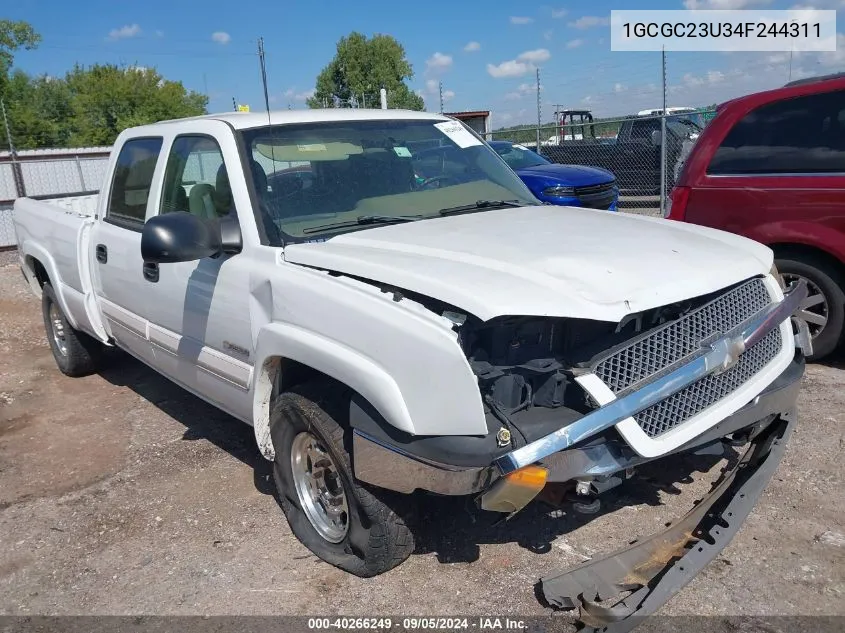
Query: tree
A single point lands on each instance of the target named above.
(13, 36)
(91, 106)
(107, 99)
(360, 68)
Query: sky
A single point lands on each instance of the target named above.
(486, 54)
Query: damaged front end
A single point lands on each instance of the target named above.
(586, 402)
(653, 569)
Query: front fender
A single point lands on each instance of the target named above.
(280, 340)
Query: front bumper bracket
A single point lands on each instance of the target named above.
(659, 566)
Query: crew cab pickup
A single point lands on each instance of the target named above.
(392, 319)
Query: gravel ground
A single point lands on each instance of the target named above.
(122, 494)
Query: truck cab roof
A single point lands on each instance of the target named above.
(248, 120)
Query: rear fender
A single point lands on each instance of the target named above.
(33, 252)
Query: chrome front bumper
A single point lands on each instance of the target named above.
(389, 466)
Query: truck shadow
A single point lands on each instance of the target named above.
(452, 528)
(202, 421)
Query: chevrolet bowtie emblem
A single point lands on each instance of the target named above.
(732, 349)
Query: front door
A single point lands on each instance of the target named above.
(199, 326)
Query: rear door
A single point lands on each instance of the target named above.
(118, 269)
(779, 170)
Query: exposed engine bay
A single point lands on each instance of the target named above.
(524, 363)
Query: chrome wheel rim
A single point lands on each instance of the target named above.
(319, 487)
(57, 329)
(814, 309)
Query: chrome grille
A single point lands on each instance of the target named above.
(681, 406)
(679, 339)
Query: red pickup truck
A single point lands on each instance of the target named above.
(771, 167)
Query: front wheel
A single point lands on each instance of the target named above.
(341, 521)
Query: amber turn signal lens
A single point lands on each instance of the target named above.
(529, 476)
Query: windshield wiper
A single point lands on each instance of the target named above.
(363, 219)
(481, 204)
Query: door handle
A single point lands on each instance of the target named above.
(151, 272)
(102, 253)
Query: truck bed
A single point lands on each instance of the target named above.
(53, 233)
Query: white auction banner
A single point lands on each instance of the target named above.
(723, 30)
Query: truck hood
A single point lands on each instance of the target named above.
(543, 261)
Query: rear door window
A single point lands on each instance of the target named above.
(803, 135)
(133, 177)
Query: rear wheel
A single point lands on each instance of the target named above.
(347, 524)
(76, 353)
(824, 307)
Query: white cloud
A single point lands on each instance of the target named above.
(589, 21)
(619, 87)
(221, 37)
(537, 56)
(510, 68)
(547, 35)
(520, 20)
(448, 95)
(559, 13)
(432, 86)
(472, 47)
(524, 90)
(523, 64)
(125, 32)
(574, 43)
(159, 33)
(291, 94)
(723, 4)
(438, 62)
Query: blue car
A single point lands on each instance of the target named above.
(567, 185)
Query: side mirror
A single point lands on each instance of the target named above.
(656, 138)
(182, 237)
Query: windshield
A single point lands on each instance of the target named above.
(518, 156)
(691, 119)
(318, 179)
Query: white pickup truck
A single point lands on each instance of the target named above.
(384, 301)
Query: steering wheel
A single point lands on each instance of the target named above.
(437, 179)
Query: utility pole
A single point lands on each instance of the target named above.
(539, 113)
(663, 137)
(234, 104)
(20, 190)
(261, 61)
(441, 97)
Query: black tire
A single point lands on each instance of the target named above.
(830, 282)
(377, 538)
(79, 354)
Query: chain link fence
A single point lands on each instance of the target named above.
(644, 156)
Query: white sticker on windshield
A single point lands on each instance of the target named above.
(402, 152)
(312, 147)
(458, 133)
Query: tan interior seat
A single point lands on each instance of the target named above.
(201, 201)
